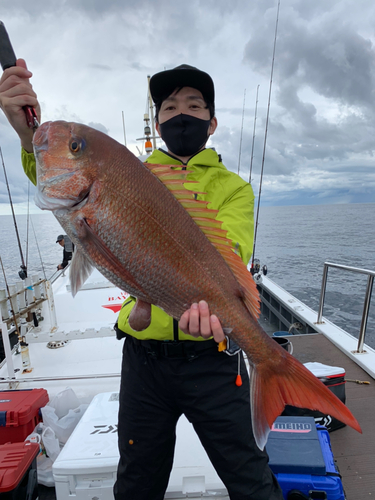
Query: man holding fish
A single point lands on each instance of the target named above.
(171, 368)
(176, 233)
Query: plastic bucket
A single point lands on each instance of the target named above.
(281, 334)
(283, 342)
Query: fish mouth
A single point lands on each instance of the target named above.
(44, 202)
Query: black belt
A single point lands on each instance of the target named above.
(173, 348)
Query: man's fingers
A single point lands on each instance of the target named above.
(194, 323)
(21, 63)
(16, 71)
(198, 322)
(204, 313)
(217, 330)
(184, 322)
(14, 85)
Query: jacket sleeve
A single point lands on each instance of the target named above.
(29, 165)
(237, 216)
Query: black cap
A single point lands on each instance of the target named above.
(165, 82)
(60, 238)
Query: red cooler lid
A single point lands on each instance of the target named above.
(18, 407)
(15, 459)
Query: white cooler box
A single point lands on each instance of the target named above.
(87, 465)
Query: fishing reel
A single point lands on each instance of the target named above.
(255, 266)
(23, 273)
(257, 271)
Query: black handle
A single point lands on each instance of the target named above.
(7, 55)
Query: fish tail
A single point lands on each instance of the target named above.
(273, 386)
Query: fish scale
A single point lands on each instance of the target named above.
(126, 221)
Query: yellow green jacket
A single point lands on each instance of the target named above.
(29, 165)
(226, 192)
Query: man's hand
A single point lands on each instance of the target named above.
(15, 92)
(198, 322)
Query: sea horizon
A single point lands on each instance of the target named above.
(292, 242)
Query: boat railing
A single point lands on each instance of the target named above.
(24, 297)
(366, 306)
(17, 305)
(56, 275)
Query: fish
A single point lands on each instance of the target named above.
(142, 228)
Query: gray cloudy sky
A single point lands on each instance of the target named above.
(90, 60)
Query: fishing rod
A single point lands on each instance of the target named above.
(252, 146)
(23, 273)
(27, 225)
(10, 300)
(243, 113)
(151, 108)
(40, 255)
(123, 126)
(265, 136)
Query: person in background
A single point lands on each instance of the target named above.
(64, 241)
(188, 367)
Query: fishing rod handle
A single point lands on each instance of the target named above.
(7, 55)
(7, 60)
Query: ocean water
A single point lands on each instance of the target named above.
(294, 242)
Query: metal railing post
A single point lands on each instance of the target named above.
(366, 307)
(322, 294)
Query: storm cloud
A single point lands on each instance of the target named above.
(90, 61)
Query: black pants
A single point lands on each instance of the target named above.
(155, 392)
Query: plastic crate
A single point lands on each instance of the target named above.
(19, 413)
(18, 473)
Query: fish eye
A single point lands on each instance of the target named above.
(75, 146)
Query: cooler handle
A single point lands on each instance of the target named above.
(317, 495)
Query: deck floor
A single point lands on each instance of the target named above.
(354, 453)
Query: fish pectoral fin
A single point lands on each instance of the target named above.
(273, 386)
(140, 316)
(94, 245)
(80, 270)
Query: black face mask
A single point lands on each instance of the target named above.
(184, 135)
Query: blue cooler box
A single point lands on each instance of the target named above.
(302, 461)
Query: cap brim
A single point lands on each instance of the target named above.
(164, 83)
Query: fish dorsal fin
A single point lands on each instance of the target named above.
(205, 217)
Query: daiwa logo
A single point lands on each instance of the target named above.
(104, 429)
(291, 427)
